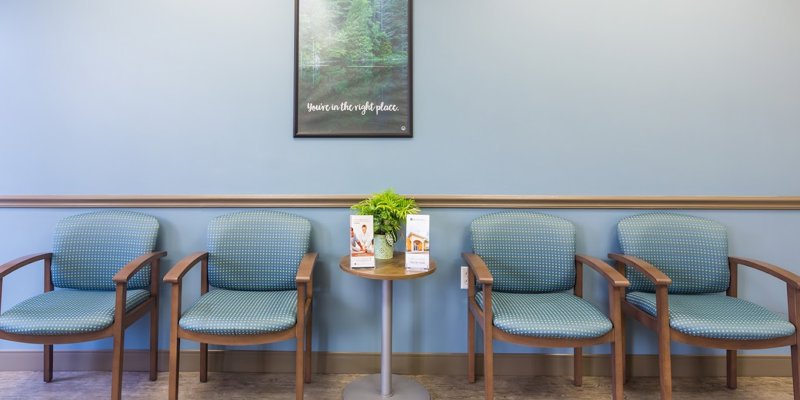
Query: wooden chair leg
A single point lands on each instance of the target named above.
(665, 364)
(470, 347)
(730, 358)
(175, 341)
(203, 362)
(174, 365)
(307, 351)
(627, 370)
(48, 363)
(796, 372)
(577, 366)
(116, 363)
(154, 342)
(298, 368)
(488, 363)
(615, 296)
(617, 368)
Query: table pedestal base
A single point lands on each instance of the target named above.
(369, 388)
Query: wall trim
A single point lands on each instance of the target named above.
(403, 363)
(425, 200)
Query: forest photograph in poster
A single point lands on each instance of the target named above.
(353, 68)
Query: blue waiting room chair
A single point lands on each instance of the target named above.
(255, 288)
(101, 276)
(530, 292)
(684, 287)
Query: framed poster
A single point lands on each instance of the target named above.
(353, 69)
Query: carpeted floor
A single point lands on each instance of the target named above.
(230, 386)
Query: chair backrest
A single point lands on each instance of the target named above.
(692, 251)
(526, 252)
(256, 250)
(88, 249)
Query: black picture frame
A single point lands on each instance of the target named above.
(337, 118)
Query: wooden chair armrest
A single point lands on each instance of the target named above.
(126, 273)
(175, 275)
(479, 268)
(612, 276)
(648, 270)
(790, 278)
(306, 268)
(18, 263)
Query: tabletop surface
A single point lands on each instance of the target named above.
(394, 269)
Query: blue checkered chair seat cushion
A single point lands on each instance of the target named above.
(237, 312)
(717, 316)
(65, 312)
(546, 315)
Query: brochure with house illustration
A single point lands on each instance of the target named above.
(418, 228)
(362, 245)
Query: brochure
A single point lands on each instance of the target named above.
(362, 245)
(418, 229)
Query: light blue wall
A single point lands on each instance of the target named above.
(511, 97)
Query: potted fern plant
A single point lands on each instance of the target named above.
(389, 211)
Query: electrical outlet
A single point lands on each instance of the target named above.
(464, 277)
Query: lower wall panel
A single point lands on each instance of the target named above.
(404, 363)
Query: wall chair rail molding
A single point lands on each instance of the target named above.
(428, 201)
(425, 201)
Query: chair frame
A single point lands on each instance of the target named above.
(484, 319)
(122, 318)
(302, 332)
(660, 323)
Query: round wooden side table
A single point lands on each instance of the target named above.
(386, 385)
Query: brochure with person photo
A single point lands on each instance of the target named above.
(418, 229)
(362, 245)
